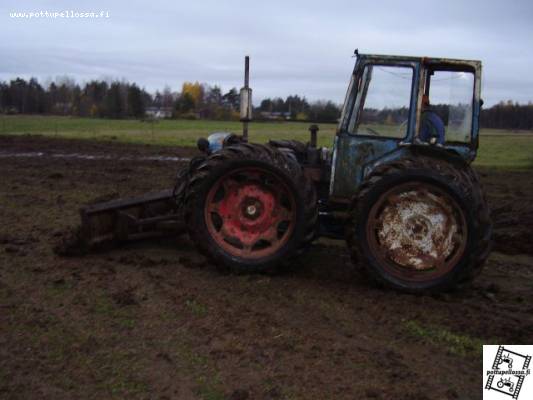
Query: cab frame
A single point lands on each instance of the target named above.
(356, 155)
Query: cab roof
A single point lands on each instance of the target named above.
(450, 62)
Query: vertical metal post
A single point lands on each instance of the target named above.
(246, 85)
(313, 129)
(246, 71)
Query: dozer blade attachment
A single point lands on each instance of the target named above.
(122, 220)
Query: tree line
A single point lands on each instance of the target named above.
(121, 99)
(65, 97)
(508, 115)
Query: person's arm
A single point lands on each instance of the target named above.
(431, 127)
(425, 128)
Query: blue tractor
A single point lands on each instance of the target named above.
(397, 184)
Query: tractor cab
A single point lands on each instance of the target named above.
(394, 103)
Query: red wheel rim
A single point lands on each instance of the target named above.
(250, 212)
(417, 231)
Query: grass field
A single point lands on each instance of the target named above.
(498, 148)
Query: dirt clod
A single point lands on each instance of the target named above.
(56, 175)
(239, 394)
(71, 244)
(11, 249)
(493, 288)
(372, 393)
(125, 297)
(452, 394)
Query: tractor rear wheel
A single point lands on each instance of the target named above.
(249, 207)
(420, 224)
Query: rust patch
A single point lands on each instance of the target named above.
(417, 227)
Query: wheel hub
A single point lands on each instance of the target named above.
(251, 210)
(250, 213)
(417, 227)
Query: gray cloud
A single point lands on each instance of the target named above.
(299, 47)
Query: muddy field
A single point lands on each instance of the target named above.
(156, 321)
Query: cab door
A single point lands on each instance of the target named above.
(379, 113)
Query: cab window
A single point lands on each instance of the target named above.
(449, 99)
(382, 106)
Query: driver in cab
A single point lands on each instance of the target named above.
(431, 125)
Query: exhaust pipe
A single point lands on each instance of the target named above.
(246, 100)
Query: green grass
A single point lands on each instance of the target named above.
(498, 148)
(455, 343)
(196, 308)
(506, 151)
(162, 132)
(203, 369)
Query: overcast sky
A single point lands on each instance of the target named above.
(296, 47)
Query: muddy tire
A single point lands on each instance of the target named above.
(183, 177)
(298, 148)
(421, 224)
(250, 208)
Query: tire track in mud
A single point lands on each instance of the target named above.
(95, 157)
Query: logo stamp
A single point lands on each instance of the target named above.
(509, 370)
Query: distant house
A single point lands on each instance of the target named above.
(275, 115)
(158, 112)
